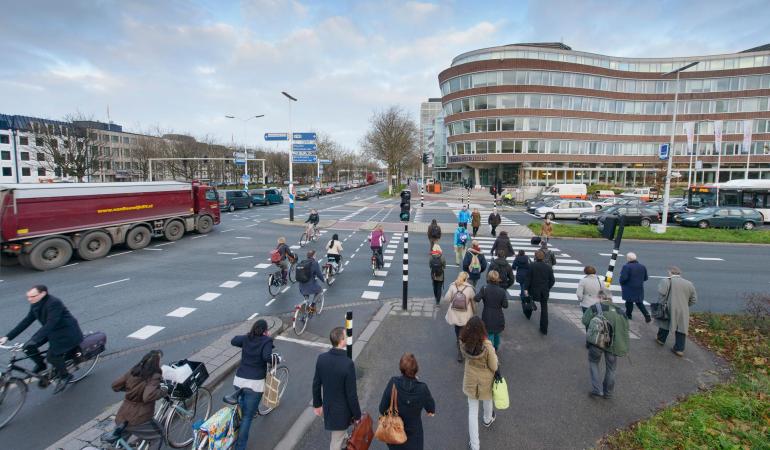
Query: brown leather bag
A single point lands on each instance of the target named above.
(391, 427)
(361, 436)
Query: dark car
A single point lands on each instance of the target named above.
(303, 194)
(593, 217)
(232, 200)
(675, 207)
(722, 217)
(547, 201)
(634, 215)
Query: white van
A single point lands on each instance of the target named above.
(645, 194)
(579, 191)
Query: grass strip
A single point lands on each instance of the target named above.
(671, 234)
(396, 192)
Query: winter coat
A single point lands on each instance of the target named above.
(541, 277)
(495, 299)
(458, 232)
(335, 249)
(682, 296)
(479, 374)
(494, 219)
(460, 318)
(377, 239)
(138, 405)
(412, 397)
(334, 388)
(588, 290)
(632, 278)
(467, 262)
(546, 230)
(504, 269)
(312, 287)
(502, 242)
(476, 219)
(619, 323)
(440, 276)
(313, 218)
(463, 216)
(284, 251)
(434, 232)
(59, 326)
(550, 257)
(255, 355)
(521, 265)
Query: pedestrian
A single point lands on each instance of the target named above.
(502, 242)
(460, 240)
(256, 353)
(679, 294)
(475, 221)
(495, 299)
(463, 217)
(458, 316)
(412, 397)
(590, 288)
(549, 256)
(434, 233)
(437, 265)
(503, 269)
(618, 347)
(335, 395)
(632, 278)
(494, 220)
(546, 230)
(541, 280)
(474, 263)
(478, 377)
(142, 387)
(521, 264)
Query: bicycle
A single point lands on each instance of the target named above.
(186, 404)
(305, 311)
(376, 253)
(119, 439)
(330, 270)
(13, 388)
(275, 279)
(311, 233)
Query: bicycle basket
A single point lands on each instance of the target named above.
(187, 388)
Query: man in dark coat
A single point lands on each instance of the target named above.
(60, 330)
(632, 278)
(494, 220)
(335, 395)
(502, 242)
(434, 232)
(541, 280)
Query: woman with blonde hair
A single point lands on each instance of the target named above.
(461, 298)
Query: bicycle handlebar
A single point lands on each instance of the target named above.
(13, 347)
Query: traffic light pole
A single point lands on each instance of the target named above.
(405, 262)
(615, 251)
(422, 182)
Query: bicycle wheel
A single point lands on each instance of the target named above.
(82, 369)
(293, 271)
(185, 413)
(303, 240)
(274, 283)
(282, 373)
(13, 393)
(319, 304)
(329, 274)
(300, 319)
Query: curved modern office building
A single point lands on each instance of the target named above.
(544, 113)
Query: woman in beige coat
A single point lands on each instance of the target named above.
(479, 375)
(459, 317)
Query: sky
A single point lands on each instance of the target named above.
(182, 66)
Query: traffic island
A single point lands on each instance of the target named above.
(673, 234)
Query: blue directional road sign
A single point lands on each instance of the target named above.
(663, 152)
(304, 147)
(276, 136)
(305, 159)
(245, 177)
(303, 136)
(303, 153)
(326, 161)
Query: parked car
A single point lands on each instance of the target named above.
(329, 189)
(634, 215)
(303, 194)
(606, 203)
(675, 207)
(235, 199)
(565, 209)
(722, 217)
(548, 201)
(593, 216)
(604, 193)
(265, 197)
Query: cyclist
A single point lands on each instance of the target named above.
(60, 330)
(376, 241)
(308, 271)
(256, 353)
(142, 387)
(284, 252)
(313, 220)
(334, 249)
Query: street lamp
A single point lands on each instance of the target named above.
(245, 149)
(291, 159)
(667, 191)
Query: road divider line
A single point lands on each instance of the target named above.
(230, 284)
(153, 249)
(198, 237)
(227, 231)
(145, 332)
(270, 302)
(302, 342)
(243, 257)
(161, 245)
(226, 253)
(208, 296)
(285, 289)
(69, 265)
(180, 312)
(112, 282)
(121, 253)
(247, 274)
(704, 258)
(253, 316)
(242, 237)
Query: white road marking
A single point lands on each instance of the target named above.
(565, 285)
(247, 274)
(302, 342)
(376, 283)
(270, 302)
(230, 284)
(657, 276)
(112, 282)
(702, 258)
(285, 289)
(389, 252)
(242, 237)
(70, 265)
(227, 231)
(161, 245)
(610, 254)
(262, 266)
(294, 247)
(346, 263)
(208, 296)
(252, 225)
(380, 273)
(226, 253)
(198, 237)
(145, 332)
(118, 254)
(386, 265)
(371, 295)
(253, 316)
(153, 249)
(388, 257)
(243, 257)
(180, 312)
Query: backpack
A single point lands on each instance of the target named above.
(304, 270)
(462, 238)
(501, 270)
(459, 301)
(475, 265)
(550, 258)
(599, 331)
(275, 256)
(436, 269)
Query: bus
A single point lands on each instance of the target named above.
(747, 193)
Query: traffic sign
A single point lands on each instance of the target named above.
(245, 177)
(663, 152)
(303, 153)
(305, 159)
(240, 161)
(276, 136)
(303, 136)
(306, 147)
(326, 161)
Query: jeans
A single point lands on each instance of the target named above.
(495, 339)
(337, 438)
(608, 385)
(438, 288)
(475, 230)
(493, 229)
(473, 419)
(249, 402)
(680, 339)
(640, 305)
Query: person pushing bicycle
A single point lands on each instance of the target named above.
(308, 271)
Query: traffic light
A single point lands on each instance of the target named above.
(425, 158)
(609, 224)
(406, 206)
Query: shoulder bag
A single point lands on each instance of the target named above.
(391, 427)
(659, 310)
(361, 436)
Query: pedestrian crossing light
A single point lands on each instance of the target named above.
(406, 206)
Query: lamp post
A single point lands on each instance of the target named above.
(245, 149)
(291, 159)
(667, 191)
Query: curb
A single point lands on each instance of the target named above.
(662, 241)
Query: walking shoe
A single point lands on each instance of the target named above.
(489, 424)
(61, 385)
(593, 394)
(661, 343)
(677, 353)
(647, 319)
(607, 396)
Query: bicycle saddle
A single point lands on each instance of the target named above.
(232, 399)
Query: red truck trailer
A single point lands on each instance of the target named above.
(44, 224)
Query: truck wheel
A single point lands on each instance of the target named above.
(50, 254)
(24, 260)
(94, 245)
(138, 238)
(205, 224)
(231, 208)
(174, 231)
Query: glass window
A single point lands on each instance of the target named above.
(7, 172)
(481, 146)
(479, 79)
(24, 156)
(506, 147)
(39, 142)
(507, 124)
(5, 139)
(480, 102)
(454, 84)
(25, 171)
(40, 172)
(509, 77)
(5, 155)
(23, 140)
(492, 125)
(480, 125)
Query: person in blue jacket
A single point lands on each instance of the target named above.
(632, 278)
(463, 217)
(460, 242)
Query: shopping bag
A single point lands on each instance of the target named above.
(271, 398)
(500, 392)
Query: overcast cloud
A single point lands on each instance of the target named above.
(183, 65)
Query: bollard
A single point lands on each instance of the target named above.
(405, 262)
(421, 196)
(615, 250)
(349, 333)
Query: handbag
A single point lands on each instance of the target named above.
(659, 311)
(390, 429)
(500, 392)
(271, 397)
(361, 435)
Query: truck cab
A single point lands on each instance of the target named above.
(206, 201)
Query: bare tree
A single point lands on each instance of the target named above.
(68, 147)
(393, 139)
